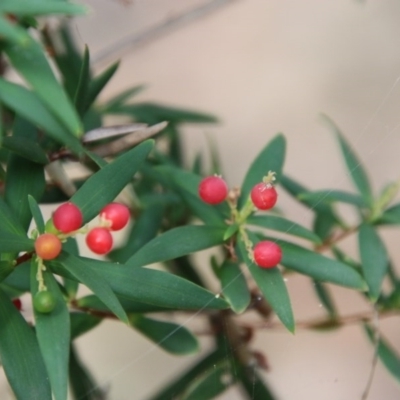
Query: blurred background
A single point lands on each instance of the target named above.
(262, 67)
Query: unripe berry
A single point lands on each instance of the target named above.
(48, 246)
(67, 218)
(213, 190)
(44, 302)
(263, 196)
(99, 240)
(267, 254)
(117, 214)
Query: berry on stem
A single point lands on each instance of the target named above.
(264, 196)
(99, 240)
(267, 254)
(117, 214)
(48, 246)
(213, 190)
(44, 302)
(67, 218)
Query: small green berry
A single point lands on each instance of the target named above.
(44, 302)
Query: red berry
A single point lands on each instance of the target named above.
(213, 190)
(99, 240)
(48, 246)
(18, 304)
(263, 196)
(118, 214)
(67, 218)
(267, 254)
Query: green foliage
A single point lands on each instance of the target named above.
(42, 122)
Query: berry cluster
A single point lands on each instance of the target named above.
(214, 190)
(67, 221)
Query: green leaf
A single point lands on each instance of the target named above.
(97, 84)
(36, 214)
(234, 286)
(325, 298)
(25, 8)
(211, 383)
(82, 323)
(30, 106)
(20, 354)
(324, 224)
(83, 385)
(9, 222)
(145, 228)
(253, 385)
(29, 60)
(104, 186)
(19, 279)
(374, 259)
(152, 113)
(319, 267)
(272, 286)
(71, 286)
(79, 268)
(92, 302)
(271, 158)
(177, 242)
(391, 215)
(53, 334)
(332, 196)
(10, 243)
(353, 164)
(24, 178)
(175, 339)
(10, 32)
(151, 286)
(81, 94)
(283, 225)
(230, 231)
(386, 353)
(6, 267)
(121, 98)
(25, 148)
(178, 385)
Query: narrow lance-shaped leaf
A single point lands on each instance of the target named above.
(177, 386)
(121, 98)
(23, 178)
(24, 8)
(32, 64)
(331, 196)
(20, 355)
(81, 94)
(319, 267)
(374, 258)
(211, 383)
(171, 337)
(36, 214)
(30, 106)
(151, 286)
(78, 268)
(234, 286)
(271, 158)
(102, 187)
(97, 84)
(386, 353)
(271, 284)
(283, 225)
(53, 333)
(353, 164)
(25, 148)
(253, 385)
(325, 298)
(177, 242)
